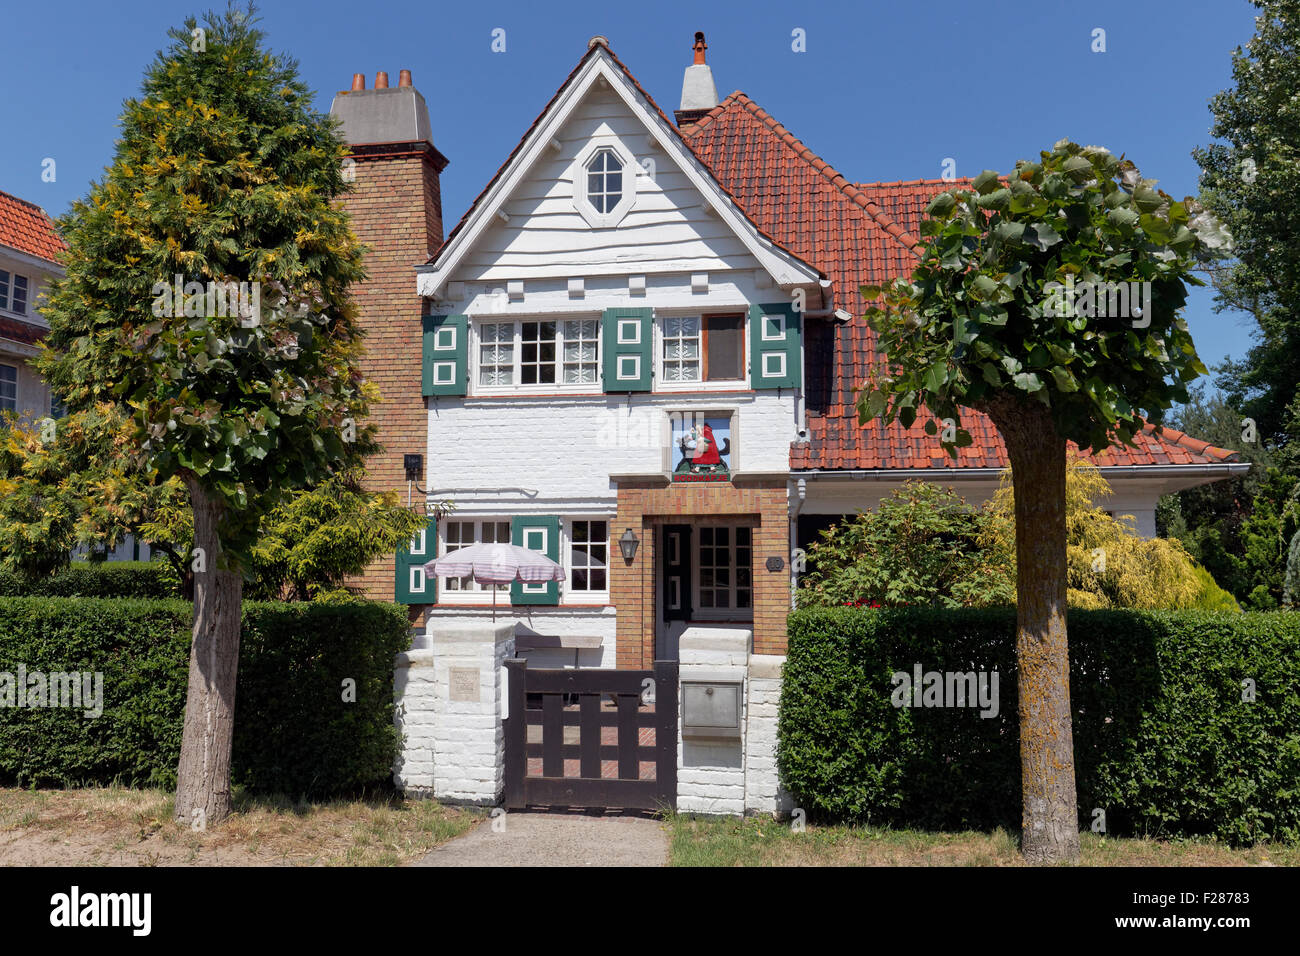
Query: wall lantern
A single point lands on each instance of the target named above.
(628, 545)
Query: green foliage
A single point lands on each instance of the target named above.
(1164, 743)
(1291, 589)
(1211, 597)
(110, 579)
(295, 733)
(924, 547)
(84, 487)
(1248, 180)
(920, 547)
(1109, 565)
(76, 482)
(224, 172)
(982, 315)
(313, 540)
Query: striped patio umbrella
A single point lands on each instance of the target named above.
(496, 564)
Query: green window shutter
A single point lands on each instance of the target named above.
(411, 585)
(775, 346)
(625, 343)
(537, 533)
(446, 355)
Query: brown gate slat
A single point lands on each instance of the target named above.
(552, 736)
(516, 734)
(589, 730)
(629, 767)
(666, 731)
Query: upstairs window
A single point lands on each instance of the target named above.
(557, 352)
(13, 292)
(708, 348)
(604, 181)
(605, 177)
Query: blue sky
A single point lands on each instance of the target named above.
(884, 90)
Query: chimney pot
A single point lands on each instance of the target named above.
(404, 78)
(358, 81)
(700, 46)
(381, 80)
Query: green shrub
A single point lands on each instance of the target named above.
(1164, 743)
(1211, 597)
(107, 579)
(294, 732)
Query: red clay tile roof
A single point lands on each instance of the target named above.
(860, 233)
(25, 226)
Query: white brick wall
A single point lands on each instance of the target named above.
(572, 446)
(763, 793)
(711, 773)
(454, 749)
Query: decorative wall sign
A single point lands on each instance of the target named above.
(463, 684)
(776, 563)
(702, 446)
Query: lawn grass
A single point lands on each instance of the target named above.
(118, 826)
(762, 841)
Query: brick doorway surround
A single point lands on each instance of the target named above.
(646, 503)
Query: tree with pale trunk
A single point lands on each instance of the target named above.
(207, 298)
(1049, 300)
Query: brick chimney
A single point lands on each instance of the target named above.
(396, 210)
(699, 95)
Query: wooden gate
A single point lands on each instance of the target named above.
(591, 738)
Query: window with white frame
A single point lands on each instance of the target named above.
(496, 354)
(604, 180)
(709, 348)
(724, 585)
(588, 556)
(461, 534)
(8, 388)
(553, 352)
(13, 292)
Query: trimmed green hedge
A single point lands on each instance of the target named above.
(100, 579)
(294, 732)
(1164, 743)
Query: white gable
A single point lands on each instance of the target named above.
(534, 225)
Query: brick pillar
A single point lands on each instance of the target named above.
(396, 210)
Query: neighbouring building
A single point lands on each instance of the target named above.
(29, 247)
(29, 250)
(637, 353)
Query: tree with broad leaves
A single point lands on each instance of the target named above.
(1012, 312)
(1249, 180)
(224, 175)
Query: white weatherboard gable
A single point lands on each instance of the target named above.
(673, 190)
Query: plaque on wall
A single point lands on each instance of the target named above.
(464, 684)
